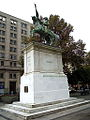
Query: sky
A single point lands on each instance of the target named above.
(75, 12)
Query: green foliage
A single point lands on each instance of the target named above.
(72, 52)
(81, 75)
(59, 26)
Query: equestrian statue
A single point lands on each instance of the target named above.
(47, 36)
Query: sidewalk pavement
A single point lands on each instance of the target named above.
(79, 114)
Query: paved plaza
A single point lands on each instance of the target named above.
(79, 115)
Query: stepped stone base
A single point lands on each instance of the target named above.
(43, 80)
(28, 111)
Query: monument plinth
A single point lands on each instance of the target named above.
(43, 80)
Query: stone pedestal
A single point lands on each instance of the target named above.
(43, 80)
(44, 91)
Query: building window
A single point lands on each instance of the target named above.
(13, 35)
(14, 22)
(12, 49)
(10, 64)
(23, 25)
(13, 57)
(2, 18)
(2, 32)
(23, 38)
(13, 64)
(2, 47)
(24, 32)
(2, 39)
(13, 28)
(1, 75)
(2, 63)
(2, 25)
(13, 42)
(2, 84)
(2, 55)
(12, 76)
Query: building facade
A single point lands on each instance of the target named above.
(12, 31)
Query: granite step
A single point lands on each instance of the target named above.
(34, 113)
(43, 104)
(43, 108)
(23, 108)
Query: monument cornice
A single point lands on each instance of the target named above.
(37, 45)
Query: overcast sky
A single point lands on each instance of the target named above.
(75, 12)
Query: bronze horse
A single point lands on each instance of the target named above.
(46, 35)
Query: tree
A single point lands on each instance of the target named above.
(72, 52)
(81, 75)
(87, 58)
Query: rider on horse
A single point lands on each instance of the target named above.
(41, 28)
